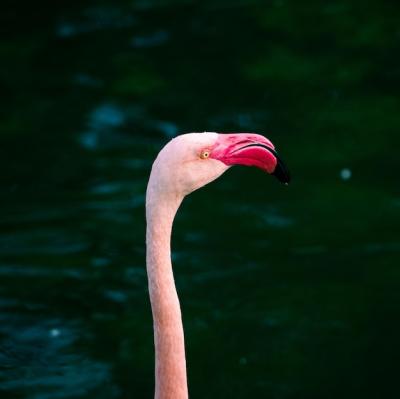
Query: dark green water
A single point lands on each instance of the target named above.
(287, 292)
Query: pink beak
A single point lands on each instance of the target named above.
(250, 149)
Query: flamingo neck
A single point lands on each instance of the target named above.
(170, 363)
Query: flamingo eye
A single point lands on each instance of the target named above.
(205, 154)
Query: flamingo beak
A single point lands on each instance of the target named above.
(281, 171)
(250, 149)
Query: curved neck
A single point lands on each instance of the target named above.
(170, 364)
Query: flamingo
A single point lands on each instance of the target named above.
(185, 164)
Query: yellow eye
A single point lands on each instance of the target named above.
(205, 154)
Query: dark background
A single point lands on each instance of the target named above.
(286, 292)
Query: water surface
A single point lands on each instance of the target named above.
(287, 292)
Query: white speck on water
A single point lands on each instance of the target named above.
(54, 333)
(345, 174)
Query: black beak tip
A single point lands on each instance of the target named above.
(282, 173)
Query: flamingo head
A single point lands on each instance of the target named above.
(192, 160)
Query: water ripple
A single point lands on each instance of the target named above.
(37, 360)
